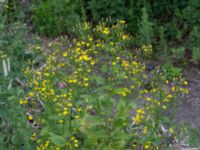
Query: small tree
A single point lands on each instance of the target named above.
(146, 29)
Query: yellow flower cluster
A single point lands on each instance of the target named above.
(139, 117)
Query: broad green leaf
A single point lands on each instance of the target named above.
(92, 126)
(57, 139)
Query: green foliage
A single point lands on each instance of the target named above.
(13, 44)
(194, 40)
(146, 29)
(178, 53)
(193, 137)
(189, 134)
(196, 55)
(92, 88)
(163, 24)
(171, 71)
(51, 18)
(13, 10)
(15, 133)
(107, 8)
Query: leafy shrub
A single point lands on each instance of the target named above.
(12, 10)
(95, 94)
(50, 17)
(107, 8)
(196, 55)
(14, 130)
(15, 133)
(178, 53)
(171, 71)
(164, 24)
(193, 45)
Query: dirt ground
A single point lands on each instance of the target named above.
(189, 109)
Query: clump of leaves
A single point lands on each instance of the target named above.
(171, 71)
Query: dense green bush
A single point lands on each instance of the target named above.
(164, 24)
(105, 8)
(12, 10)
(51, 17)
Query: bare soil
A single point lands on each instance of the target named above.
(189, 108)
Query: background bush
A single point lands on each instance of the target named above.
(51, 17)
(165, 24)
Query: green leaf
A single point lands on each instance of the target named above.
(99, 80)
(133, 105)
(57, 139)
(92, 126)
(105, 87)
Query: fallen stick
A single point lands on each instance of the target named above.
(19, 82)
(40, 101)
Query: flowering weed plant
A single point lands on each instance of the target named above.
(94, 93)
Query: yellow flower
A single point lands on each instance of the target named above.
(173, 89)
(147, 145)
(185, 83)
(30, 117)
(90, 39)
(57, 148)
(61, 121)
(47, 74)
(113, 63)
(39, 73)
(65, 54)
(118, 58)
(171, 130)
(72, 138)
(122, 21)
(145, 130)
(148, 98)
(186, 91)
(77, 117)
(132, 86)
(139, 116)
(69, 104)
(31, 94)
(46, 144)
(166, 81)
(75, 141)
(106, 31)
(65, 113)
(124, 37)
(86, 84)
(85, 79)
(33, 137)
(21, 101)
(36, 83)
(79, 109)
(76, 145)
(92, 63)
